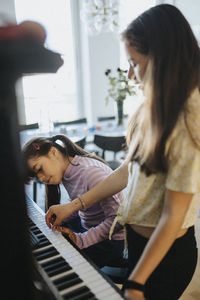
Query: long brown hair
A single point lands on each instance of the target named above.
(40, 146)
(163, 34)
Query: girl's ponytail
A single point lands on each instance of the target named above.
(52, 195)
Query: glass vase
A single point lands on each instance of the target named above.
(120, 112)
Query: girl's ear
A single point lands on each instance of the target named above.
(53, 151)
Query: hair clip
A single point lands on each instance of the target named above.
(59, 142)
(36, 146)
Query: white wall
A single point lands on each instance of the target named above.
(189, 8)
(103, 53)
(7, 10)
(98, 54)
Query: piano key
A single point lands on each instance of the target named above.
(36, 230)
(43, 243)
(54, 262)
(57, 266)
(76, 293)
(34, 241)
(42, 248)
(67, 282)
(58, 270)
(46, 260)
(82, 280)
(45, 253)
(72, 288)
(85, 296)
(60, 275)
(41, 236)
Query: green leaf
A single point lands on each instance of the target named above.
(119, 86)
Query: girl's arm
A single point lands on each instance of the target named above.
(175, 208)
(113, 184)
(100, 232)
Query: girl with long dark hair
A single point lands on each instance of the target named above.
(55, 160)
(162, 168)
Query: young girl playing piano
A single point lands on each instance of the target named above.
(56, 160)
(163, 164)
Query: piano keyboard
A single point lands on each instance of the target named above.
(67, 273)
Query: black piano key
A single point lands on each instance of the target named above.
(43, 243)
(54, 265)
(35, 230)
(67, 281)
(57, 266)
(42, 238)
(85, 296)
(34, 241)
(30, 222)
(52, 261)
(58, 270)
(45, 253)
(76, 293)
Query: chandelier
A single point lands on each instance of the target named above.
(100, 16)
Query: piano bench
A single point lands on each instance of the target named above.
(117, 270)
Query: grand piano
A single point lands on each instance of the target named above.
(36, 263)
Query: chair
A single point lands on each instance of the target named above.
(109, 118)
(81, 143)
(110, 143)
(35, 182)
(78, 121)
(100, 119)
(117, 270)
(23, 127)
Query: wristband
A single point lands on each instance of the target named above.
(82, 202)
(130, 284)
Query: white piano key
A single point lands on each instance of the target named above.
(62, 274)
(105, 293)
(48, 259)
(72, 288)
(42, 248)
(92, 279)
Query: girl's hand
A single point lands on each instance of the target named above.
(68, 233)
(134, 295)
(57, 213)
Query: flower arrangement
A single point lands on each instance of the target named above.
(120, 86)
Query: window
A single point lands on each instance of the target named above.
(51, 96)
(128, 12)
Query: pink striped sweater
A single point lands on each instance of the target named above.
(81, 175)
